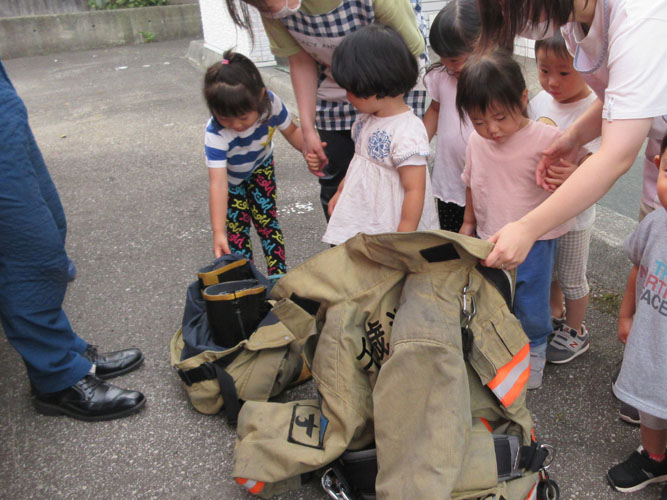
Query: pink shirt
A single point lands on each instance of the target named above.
(502, 178)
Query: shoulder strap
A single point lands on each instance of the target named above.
(501, 280)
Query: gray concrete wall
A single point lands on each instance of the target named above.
(39, 35)
(13, 8)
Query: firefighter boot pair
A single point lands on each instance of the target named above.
(235, 302)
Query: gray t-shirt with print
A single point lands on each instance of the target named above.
(643, 376)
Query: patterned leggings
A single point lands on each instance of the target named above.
(255, 199)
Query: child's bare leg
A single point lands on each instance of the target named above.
(654, 440)
(575, 312)
(556, 300)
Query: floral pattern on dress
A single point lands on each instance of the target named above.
(378, 144)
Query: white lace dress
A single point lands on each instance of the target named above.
(372, 196)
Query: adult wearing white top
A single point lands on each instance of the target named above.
(620, 47)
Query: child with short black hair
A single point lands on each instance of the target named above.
(501, 160)
(565, 97)
(387, 187)
(642, 326)
(239, 154)
(453, 34)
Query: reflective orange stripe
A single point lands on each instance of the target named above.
(250, 485)
(486, 424)
(511, 378)
(533, 493)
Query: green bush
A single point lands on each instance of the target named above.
(124, 4)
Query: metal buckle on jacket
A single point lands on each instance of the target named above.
(467, 315)
(551, 453)
(334, 484)
(466, 318)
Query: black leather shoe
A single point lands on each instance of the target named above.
(112, 364)
(90, 399)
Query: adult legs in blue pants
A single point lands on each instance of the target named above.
(33, 281)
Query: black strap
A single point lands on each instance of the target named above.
(467, 338)
(309, 305)
(206, 371)
(357, 469)
(500, 280)
(532, 457)
(504, 461)
(230, 398)
(440, 253)
(216, 370)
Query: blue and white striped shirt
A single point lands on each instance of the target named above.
(242, 152)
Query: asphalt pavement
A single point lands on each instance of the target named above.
(122, 132)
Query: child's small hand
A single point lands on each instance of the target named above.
(541, 174)
(558, 173)
(624, 326)
(220, 245)
(315, 163)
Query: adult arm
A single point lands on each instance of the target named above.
(303, 72)
(621, 141)
(400, 15)
(218, 196)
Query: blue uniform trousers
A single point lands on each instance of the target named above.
(33, 260)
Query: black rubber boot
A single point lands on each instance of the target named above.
(239, 270)
(234, 309)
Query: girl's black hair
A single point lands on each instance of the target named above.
(554, 44)
(238, 11)
(490, 80)
(663, 146)
(502, 21)
(233, 87)
(374, 61)
(455, 29)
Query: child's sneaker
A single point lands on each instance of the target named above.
(567, 345)
(537, 362)
(629, 414)
(556, 323)
(637, 472)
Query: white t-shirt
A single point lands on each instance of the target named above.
(655, 135)
(371, 201)
(452, 138)
(544, 108)
(623, 55)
